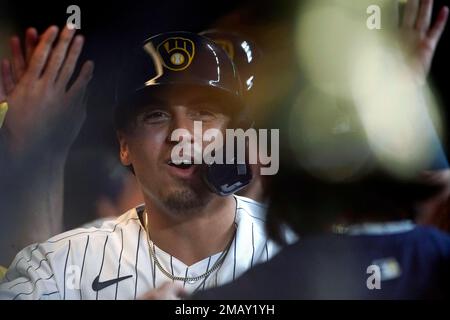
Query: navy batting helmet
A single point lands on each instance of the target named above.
(175, 59)
(244, 53)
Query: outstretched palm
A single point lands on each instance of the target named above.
(41, 106)
(420, 36)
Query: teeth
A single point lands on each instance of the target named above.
(178, 162)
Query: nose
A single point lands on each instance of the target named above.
(181, 127)
(187, 134)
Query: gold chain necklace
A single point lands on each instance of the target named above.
(216, 265)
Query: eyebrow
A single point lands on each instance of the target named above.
(153, 103)
(214, 104)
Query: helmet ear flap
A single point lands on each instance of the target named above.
(228, 178)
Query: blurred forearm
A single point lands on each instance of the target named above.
(31, 202)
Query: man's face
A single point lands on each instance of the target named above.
(147, 146)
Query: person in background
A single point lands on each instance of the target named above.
(358, 238)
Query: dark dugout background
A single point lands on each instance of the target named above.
(112, 27)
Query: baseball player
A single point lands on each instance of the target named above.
(183, 233)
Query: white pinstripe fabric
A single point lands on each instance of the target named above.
(66, 265)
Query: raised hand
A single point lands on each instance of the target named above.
(42, 108)
(420, 36)
(167, 291)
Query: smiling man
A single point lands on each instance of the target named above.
(184, 233)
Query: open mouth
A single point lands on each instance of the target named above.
(183, 164)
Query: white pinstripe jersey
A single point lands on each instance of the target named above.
(67, 265)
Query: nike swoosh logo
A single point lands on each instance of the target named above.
(97, 285)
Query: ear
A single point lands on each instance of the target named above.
(125, 158)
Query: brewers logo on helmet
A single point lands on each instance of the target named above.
(176, 53)
(176, 59)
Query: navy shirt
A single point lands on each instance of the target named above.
(414, 264)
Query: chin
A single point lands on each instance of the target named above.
(185, 200)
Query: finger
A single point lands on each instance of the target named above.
(424, 18)
(18, 60)
(31, 40)
(172, 291)
(59, 54)
(177, 293)
(163, 292)
(83, 79)
(181, 293)
(71, 61)
(439, 26)
(40, 55)
(8, 81)
(410, 15)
